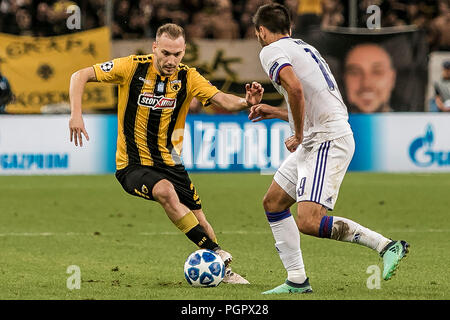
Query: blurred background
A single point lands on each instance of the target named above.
(391, 59)
(414, 34)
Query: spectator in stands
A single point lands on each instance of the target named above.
(442, 89)
(369, 78)
(199, 26)
(292, 6)
(170, 11)
(121, 17)
(58, 16)
(147, 10)
(415, 15)
(42, 25)
(309, 16)
(139, 24)
(214, 21)
(221, 19)
(10, 18)
(332, 13)
(23, 21)
(94, 14)
(224, 26)
(439, 34)
(6, 94)
(393, 13)
(247, 27)
(392, 19)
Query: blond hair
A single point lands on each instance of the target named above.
(173, 31)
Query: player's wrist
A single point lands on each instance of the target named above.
(246, 104)
(298, 136)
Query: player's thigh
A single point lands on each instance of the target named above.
(285, 178)
(184, 187)
(277, 199)
(321, 170)
(339, 158)
(139, 180)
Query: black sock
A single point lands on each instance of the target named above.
(198, 235)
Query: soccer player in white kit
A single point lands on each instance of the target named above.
(322, 147)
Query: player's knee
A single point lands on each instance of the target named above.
(270, 204)
(308, 219)
(273, 203)
(164, 192)
(305, 224)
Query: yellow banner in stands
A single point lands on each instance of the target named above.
(39, 69)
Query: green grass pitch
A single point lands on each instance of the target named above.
(126, 247)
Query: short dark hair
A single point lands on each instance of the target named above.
(274, 17)
(172, 30)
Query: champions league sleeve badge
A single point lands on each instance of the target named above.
(107, 66)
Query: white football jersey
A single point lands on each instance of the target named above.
(326, 116)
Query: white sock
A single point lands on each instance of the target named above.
(297, 276)
(349, 231)
(287, 243)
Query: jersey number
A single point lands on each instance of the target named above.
(323, 67)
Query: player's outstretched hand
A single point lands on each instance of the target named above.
(76, 126)
(293, 142)
(253, 93)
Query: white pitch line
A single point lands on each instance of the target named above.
(177, 233)
(27, 234)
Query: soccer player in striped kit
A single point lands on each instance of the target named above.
(155, 91)
(322, 147)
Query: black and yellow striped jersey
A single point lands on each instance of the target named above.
(152, 109)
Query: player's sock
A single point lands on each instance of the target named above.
(287, 243)
(190, 226)
(343, 229)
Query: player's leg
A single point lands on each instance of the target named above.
(188, 196)
(317, 192)
(183, 217)
(200, 215)
(230, 276)
(152, 184)
(279, 198)
(313, 220)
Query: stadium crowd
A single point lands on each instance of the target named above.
(217, 19)
(227, 19)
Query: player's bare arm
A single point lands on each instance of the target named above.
(263, 111)
(294, 89)
(253, 95)
(77, 83)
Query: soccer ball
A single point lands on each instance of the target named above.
(204, 268)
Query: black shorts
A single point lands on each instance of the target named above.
(139, 181)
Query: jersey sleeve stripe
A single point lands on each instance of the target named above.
(277, 75)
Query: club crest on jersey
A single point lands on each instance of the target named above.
(107, 66)
(175, 85)
(156, 102)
